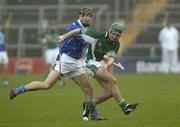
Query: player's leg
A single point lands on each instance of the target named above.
(51, 79)
(4, 62)
(174, 61)
(105, 94)
(88, 106)
(85, 86)
(84, 83)
(98, 99)
(5, 75)
(36, 85)
(165, 61)
(49, 61)
(91, 71)
(72, 68)
(107, 77)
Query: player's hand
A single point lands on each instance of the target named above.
(60, 38)
(106, 67)
(105, 58)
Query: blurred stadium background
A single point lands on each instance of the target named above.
(158, 94)
(24, 20)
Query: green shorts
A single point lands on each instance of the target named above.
(91, 70)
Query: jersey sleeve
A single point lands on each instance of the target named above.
(91, 32)
(73, 26)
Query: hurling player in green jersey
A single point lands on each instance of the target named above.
(101, 54)
(50, 46)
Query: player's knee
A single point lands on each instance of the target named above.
(88, 89)
(113, 81)
(108, 93)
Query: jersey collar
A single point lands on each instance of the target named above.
(80, 23)
(106, 35)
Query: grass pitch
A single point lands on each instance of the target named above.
(158, 97)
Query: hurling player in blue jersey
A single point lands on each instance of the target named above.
(67, 64)
(3, 58)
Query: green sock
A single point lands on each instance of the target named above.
(90, 105)
(123, 104)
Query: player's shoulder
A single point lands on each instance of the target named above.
(74, 25)
(163, 30)
(174, 28)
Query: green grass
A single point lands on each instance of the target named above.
(158, 95)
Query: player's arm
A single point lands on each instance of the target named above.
(108, 62)
(69, 34)
(89, 35)
(110, 57)
(61, 38)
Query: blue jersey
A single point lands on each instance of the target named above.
(73, 46)
(2, 46)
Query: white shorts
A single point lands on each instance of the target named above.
(50, 55)
(68, 66)
(4, 57)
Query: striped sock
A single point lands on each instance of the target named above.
(91, 106)
(123, 104)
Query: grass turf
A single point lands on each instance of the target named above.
(158, 95)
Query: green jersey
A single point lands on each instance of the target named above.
(51, 39)
(100, 45)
